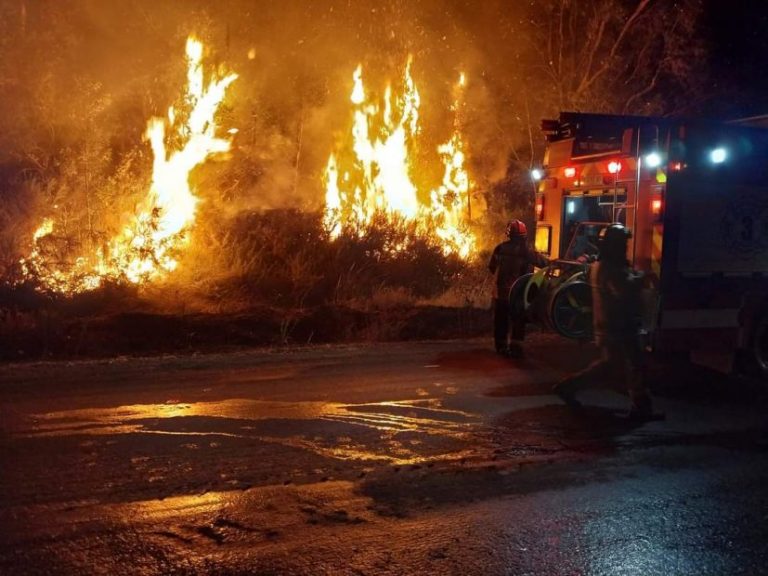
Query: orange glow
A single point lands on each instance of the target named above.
(145, 249)
(570, 172)
(387, 419)
(449, 202)
(543, 240)
(376, 179)
(656, 205)
(614, 167)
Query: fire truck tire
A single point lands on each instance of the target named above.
(570, 310)
(759, 347)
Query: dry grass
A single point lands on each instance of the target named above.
(285, 259)
(277, 276)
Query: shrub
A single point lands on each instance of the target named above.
(284, 258)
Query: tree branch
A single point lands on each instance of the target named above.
(587, 82)
(598, 39)
(659, 68)
(644, 91)
(639, 60)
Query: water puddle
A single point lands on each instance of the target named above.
(396, 431)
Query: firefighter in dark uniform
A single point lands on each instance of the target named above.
(510, 260)
(616, 310)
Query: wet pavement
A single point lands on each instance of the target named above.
(413, 458)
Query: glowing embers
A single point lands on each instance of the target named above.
(146, 248)
(371, 173)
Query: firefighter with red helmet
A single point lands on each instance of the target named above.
(616, 312)
(510, 260)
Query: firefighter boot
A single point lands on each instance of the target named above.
(515, 350)
(565, 394)
(642, 411)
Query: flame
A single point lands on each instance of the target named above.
(376, 179)
(450, 203)
(145, 248)
(381, 168)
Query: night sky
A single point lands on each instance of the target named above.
(739, 56)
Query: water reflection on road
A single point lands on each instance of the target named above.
(404, 431)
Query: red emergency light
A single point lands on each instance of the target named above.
(569, 172)
(614, 167)
(657, 205)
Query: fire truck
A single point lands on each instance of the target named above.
(695, 196)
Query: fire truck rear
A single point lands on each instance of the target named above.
(694, 194)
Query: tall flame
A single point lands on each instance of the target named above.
(145, 249)
(376, 179)
(450, 203)
(379, 178)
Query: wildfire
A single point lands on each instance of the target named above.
(376, 177)
(145, 248)
(450, 203)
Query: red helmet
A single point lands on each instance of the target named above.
(516, 228)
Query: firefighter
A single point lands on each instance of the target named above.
(616, 309)
(510, 260)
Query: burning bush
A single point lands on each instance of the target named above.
(284, 258)
(267, 277)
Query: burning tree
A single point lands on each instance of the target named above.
(146, 248)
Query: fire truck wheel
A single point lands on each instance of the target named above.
(571, 310)
(760, 346)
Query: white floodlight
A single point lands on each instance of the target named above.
(718, 155)
(653, 160)
(536, 174)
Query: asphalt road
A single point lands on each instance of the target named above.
(412, 458)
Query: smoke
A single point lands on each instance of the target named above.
(80, 79)
(293, 97)
(295, 60)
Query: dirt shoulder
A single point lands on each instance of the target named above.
(56, 334)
